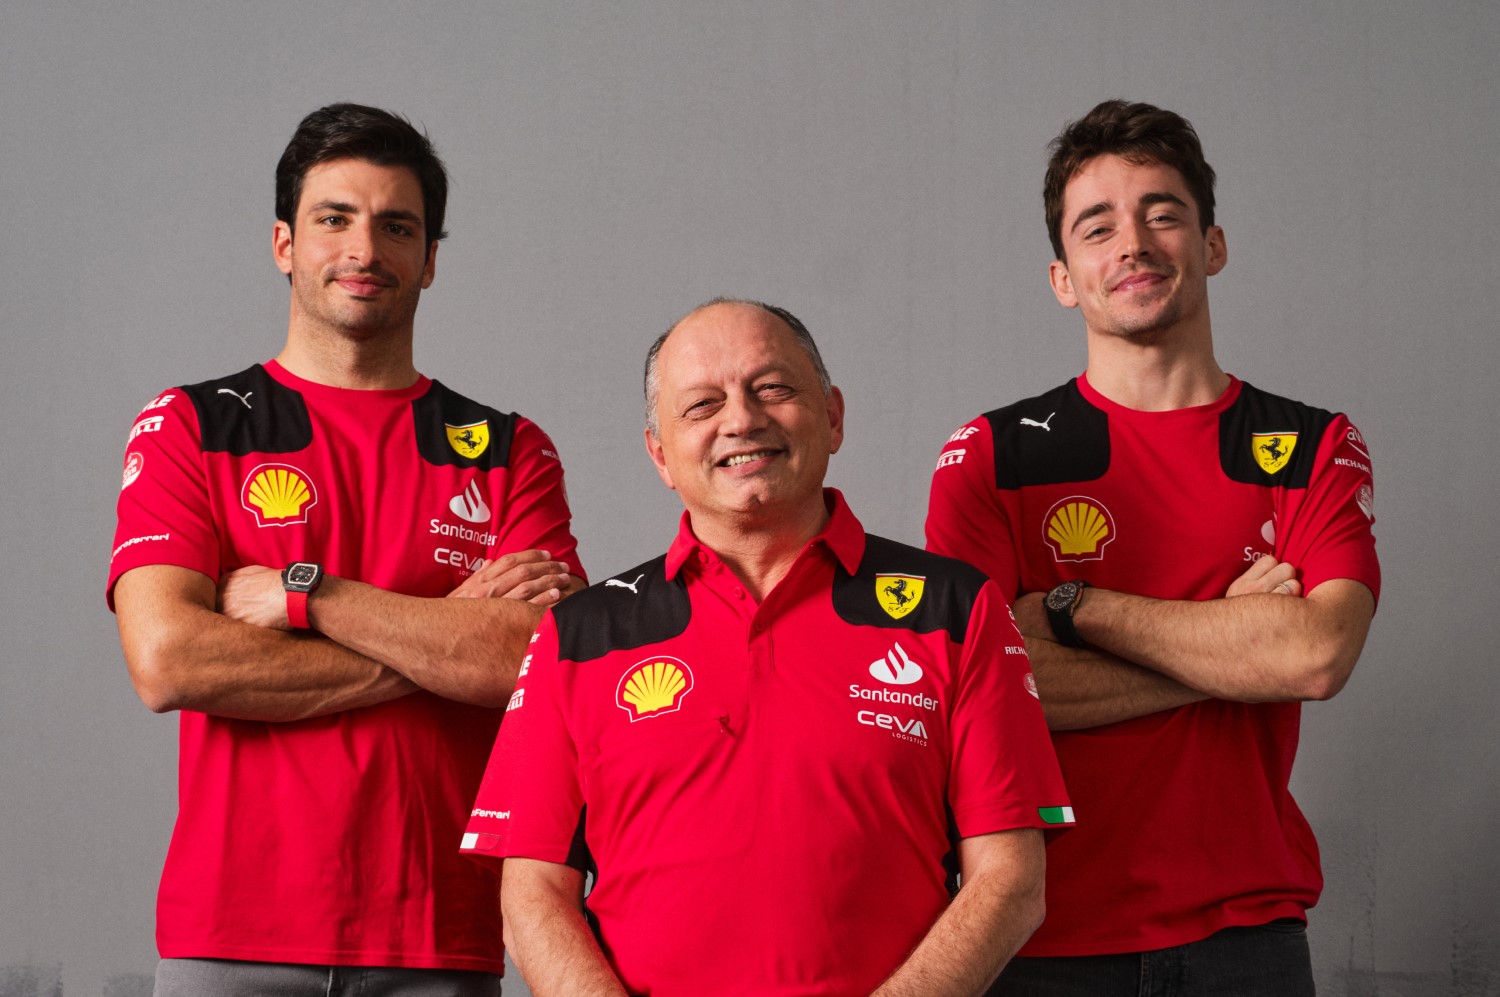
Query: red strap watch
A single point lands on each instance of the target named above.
(300, 579)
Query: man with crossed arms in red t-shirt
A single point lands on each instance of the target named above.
(1121, 510)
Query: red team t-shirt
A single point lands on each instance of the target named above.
(1186, 823)
(768, 791)
(329, 840)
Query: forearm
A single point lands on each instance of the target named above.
(1083, 687)
(1249, 648)
(997, 908)
(462, 649)
(546, 934)
(184, 656)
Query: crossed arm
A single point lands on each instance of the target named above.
(228, 650)
(1260, 643)
(997, 908)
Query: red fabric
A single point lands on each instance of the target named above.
(761, 839)
(1186, 822)
(328, 840)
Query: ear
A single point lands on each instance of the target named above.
(281, 247)
(429, 269)
(836, 418)
(659, 458)
(1216, 250)
(1062, 284)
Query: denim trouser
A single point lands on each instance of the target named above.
(231, 978)
(1267, 960)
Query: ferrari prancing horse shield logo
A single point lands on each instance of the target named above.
(899, 594)
(470, 440)
(1272, 450)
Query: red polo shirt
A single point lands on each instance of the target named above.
(767, 791)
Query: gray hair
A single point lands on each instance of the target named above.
(799, 331)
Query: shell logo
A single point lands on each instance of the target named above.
(653, 687)
(1078, 529)
(278, 495)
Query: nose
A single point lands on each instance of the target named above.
(742, 414)
(360, 243)
(1135, 240)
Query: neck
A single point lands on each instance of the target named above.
(1155, 375)
(759, 554)
(341, 361)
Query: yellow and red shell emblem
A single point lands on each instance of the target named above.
(654, 687)
(278, 495)
(1078, 529)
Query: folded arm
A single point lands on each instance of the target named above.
(999, 904)
(183, 655)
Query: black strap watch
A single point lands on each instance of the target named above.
(1062, 602)
(300, 579)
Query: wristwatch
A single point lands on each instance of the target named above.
(300, 579)
(1062, 602)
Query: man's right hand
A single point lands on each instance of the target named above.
(528, 575)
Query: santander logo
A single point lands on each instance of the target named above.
(896, 668)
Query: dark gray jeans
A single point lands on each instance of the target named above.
(1268, 960)
(230, 978)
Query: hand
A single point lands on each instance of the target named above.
(528, 575)
(1266, 576)
(1031, 616)
(254, 595)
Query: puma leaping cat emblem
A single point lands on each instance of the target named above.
(1039, 425)
(625, 585)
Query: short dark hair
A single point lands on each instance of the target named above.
(804, 339)
(354, 131)
(1138, 133)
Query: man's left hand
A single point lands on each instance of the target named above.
(254, 595)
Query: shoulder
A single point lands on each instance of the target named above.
(1268, 439)
(1053, 438)
(901, 587)
(250, 412)
(631, 609)
(454, 429)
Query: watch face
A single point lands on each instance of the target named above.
(1061, 597)
(302, 574)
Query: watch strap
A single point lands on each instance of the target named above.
(296, 610)
(1061, 618)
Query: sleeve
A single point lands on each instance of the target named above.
(164, 514)
(964, 516)
(1325, 530)
(531, 797)
(536, 506)
(1003, 772)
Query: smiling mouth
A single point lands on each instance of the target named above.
(746, 458)
(1139, 280)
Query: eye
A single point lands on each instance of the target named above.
(1095, 232)
(700, 409)
(333, 221)
(774, 390)
(397, 228)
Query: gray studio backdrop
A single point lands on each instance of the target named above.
(875, 167)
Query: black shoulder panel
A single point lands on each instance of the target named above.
(441, 408)
(1260, 413)
(1064, 439)
(949, 588)
(641, 607)
(250, 412)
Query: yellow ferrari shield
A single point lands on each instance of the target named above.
(898, 594)
(470, 440)
(1272, 450)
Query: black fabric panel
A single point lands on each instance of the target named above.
(250, 412)
(442, 406)
(1073, 446)
(1256, 411)
(948, 593)
(605, 617)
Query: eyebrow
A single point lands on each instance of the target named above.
(1154, 197)
(343, 207)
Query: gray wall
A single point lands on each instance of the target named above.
(876, 167)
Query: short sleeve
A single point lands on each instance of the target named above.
(1004, 773)
(164, 513)
(1325, 530)
(965, 519)
(536, 507)
(531, 796)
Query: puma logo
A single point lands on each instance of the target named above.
(1039, 425)
(625, 585)
(244, 399)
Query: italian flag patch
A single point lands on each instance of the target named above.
(1055, 815)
